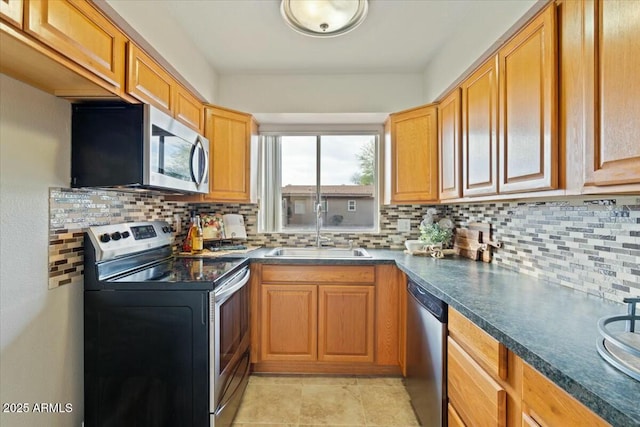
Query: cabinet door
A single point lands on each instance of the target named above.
(612, 153)
(78, 31)
(548, 405)
(345, 323)
(449, 145)
(289, 322)
(476, 397)
(230, 138)
(528, 104)
(11, 11)
(480, 131)
(188, 109)
(148, 81)
(414, 156)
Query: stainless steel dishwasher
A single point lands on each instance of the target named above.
(426, 356)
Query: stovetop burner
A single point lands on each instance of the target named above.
(138, 256)
(184, 270)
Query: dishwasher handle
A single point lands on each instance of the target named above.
(430, 303)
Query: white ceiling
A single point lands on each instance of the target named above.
(398, 36)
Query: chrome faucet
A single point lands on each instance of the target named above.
(318, 223)
(319, 239)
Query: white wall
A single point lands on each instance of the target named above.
(461, 51)
(156, 25)
(41, 339)
(330, 93)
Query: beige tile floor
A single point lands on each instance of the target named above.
(328, 401)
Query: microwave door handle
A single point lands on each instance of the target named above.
(195, 162)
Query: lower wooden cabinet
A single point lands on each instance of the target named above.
(453, 418)
(326, 319)
(491, 386)
(345, 323)
(289, 322)
(475, 396)
(546, 404)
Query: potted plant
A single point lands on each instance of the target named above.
(435, 235)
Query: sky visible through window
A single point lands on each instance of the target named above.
(339, 159)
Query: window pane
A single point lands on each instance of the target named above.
(347, 170)
(298, 163)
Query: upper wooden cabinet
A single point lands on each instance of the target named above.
(480, 131)
(412, 171)
(528, 154)
(188, 109)
(11, 11)
(449, 145)
(148, 82)
(612, 149)
(233, 152)
(77, 30)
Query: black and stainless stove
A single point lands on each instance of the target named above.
(166, 338)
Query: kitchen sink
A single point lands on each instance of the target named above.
(318, 253)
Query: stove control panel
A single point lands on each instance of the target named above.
(115, 240)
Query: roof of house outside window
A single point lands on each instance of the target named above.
(333, 190)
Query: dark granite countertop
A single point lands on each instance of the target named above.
(551, 327)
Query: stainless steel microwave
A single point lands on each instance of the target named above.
(136, 146)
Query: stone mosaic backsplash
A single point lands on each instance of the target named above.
(388, 237)
(587, 244)
(71, 211)
(591, 245)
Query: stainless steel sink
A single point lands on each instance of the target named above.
(318, 253)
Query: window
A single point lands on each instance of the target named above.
(335, 171)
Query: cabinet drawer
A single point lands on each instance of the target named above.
(477, 398)
(453, 418)
(485, 349)
(548, 405)
(318, 274)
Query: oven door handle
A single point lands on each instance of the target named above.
(230, 287)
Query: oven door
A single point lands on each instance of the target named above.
(229, 347)
(178, 157)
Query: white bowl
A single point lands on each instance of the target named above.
(413, 245)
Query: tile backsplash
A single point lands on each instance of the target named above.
(592, 245)
(71, 211)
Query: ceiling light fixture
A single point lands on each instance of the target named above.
(324, 18)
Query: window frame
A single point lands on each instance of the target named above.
(270, 158)
(352, 205)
